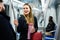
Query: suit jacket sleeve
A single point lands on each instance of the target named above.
(5, 31)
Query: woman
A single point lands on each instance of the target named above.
(27, 23)
(50, 27)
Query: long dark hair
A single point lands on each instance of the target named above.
(51, 20)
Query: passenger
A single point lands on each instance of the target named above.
(6, 30)
(50, 27)
(27, 23)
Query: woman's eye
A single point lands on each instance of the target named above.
(0, 7)
(26, 8)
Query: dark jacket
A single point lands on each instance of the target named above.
(6, 30)
(50, 26)
(23, 27)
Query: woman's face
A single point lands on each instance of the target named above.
(26, 9)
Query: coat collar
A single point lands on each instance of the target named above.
(5, 16)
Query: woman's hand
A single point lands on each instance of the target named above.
(48, 33)
(32, 30)
(16, 22)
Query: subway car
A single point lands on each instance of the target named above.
(42, 9)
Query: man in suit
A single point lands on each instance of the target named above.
(6, 30)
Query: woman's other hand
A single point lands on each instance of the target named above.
(16, 22)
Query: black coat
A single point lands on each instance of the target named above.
(23, 27)
(6, 30)
(50, 27)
